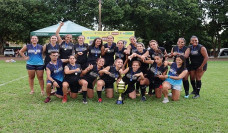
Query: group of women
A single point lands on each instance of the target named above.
(71, 68)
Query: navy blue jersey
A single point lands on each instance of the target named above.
(133, 48)
(94, 54)
(173, 72)
(49, 49)
(92, 74)
(144, 66)
(154, 71)
(56, 70)
(66, 50)
(195, 56)
(81, 59)
(73, 76)
(109, 55)
(35, 54)
(152, 52)
(120, 54)
(129, 76)
(112, 77)
(180, 51)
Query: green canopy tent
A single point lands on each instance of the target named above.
(69, 27)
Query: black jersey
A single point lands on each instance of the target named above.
(154, 71)
(92, 74)
(49, 49)
(195, 56)
(144, 66)
(182, 52)
(152, 52)
(66, 50)
(81, 59)
(133, 48)
(120, 54)
(94, 54)
(73, 76)
(129, 77)
(112, 77)
(109, 55)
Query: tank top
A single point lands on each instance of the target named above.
(35, 54)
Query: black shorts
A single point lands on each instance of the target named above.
(59, 90)
(193, 67)
(108, 85)
(34, 67)
(155, 83)
(130, 88)
(74, 85)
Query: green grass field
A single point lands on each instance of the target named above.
(21, 112)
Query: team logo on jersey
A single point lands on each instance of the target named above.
(32, 51)
(110, 51)
(58, 70)
(113, 75)
(93, 51)
(53, 50)
(93, 74)
(156, 72)
(119, 55)
(81, 49)
(131, 77)
(174, 72)
(194, 52)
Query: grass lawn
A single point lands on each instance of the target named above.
(21, 112)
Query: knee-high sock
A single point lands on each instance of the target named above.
(99, 94)
(193, 82)
(198, 86)
(84, 93)
(186, 87)
(150, 88)
(137, 86)
(143, 89)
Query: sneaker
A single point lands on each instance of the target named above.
(170, 94)
(193, 93)
(47, 100)
(196, 96)
(165, 100)
(143, 99)
(64, 99)
(186, 96)
(42, 93)
(100, 100)
(84, 101)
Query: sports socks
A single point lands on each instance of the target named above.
(193, 82)
(99, 94)
(198, 86)
(143, 89)
(84, 93)
(186, 87)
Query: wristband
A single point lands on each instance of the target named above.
(168, 76)
(53, 81)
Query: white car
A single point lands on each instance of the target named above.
(9, 52)
(223, 53)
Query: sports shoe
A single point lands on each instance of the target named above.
(170, 94)
(47, 100)
(165, 100)
(137, 93)
(84, 101)
(193, 93)
(64, 99)
(186, 96)
(143, 99)
(100, 100)
(196, 96)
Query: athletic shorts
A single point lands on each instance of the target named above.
(60, 89)
(130, 88)
(174, 84)
(34, 67)
(74, 85)
(193, 67)
(108, 85)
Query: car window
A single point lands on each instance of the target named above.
(224, 53)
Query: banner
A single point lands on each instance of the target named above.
(118, 35)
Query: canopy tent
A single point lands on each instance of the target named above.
(69, 27)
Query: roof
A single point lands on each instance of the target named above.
(69, 27)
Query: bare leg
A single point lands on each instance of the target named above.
(31, 74)
(39, 74)
(175, 95)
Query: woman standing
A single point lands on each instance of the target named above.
(95, 51)
(119, 53)
(180, 49)
(198, 57)
(174, 78)
(109, 51)
(34, 63)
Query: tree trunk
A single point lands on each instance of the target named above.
(1, 46)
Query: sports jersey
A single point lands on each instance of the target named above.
(112, 77)
(120, 54)
(56, 70)
(109, 55)
(182, 52)
(81, 59)
(35, 54)
(66, 50)
(73, 76)
(173, 72)
(49, 49)
(92, 74)
(152, 52)
(195, 56)
(94, 54)
(129, 77)
(144, 66)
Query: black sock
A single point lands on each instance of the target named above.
(198, 86)
(99, 94)
(186, 87)
(137, 86)
(193, 82)
(150, 88)
(143, 89)
(84, 93)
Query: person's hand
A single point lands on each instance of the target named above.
(200, 69)
(175, 53)
(26, 58)
(106, 49)
(166, 63)
(55, 84)
(126, 51)
(143, 58)
(61, 24)
(106, 72)
(138, 74)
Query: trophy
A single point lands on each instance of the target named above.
(120, 90)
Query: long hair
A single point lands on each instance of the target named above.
(183, 66)
(94, 41)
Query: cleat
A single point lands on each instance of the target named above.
(193, 93)
(84, 101)
(64, 99)
(165, 100)
(100, 100)
(143, 99)
(47, 100)
(196, 96)
(187, 96)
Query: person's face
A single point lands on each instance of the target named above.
(132, 40)
(120, 44)
(72, 59)
(180, 43)
(81, 39)
(34, 39)
(119, 63)
(68, 38)
(110, 39)
(157, 59)
(53, 39)
(100, 62)
(179, 61)
(98, 42)
(194, 41)
(135, 66)
(139, 47)
(153, 45)
(54, 56)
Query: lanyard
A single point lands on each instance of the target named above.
(66, 45)
(132, 73)
(35, 49)
(96, 50)
(156, 70)
(80, 48)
